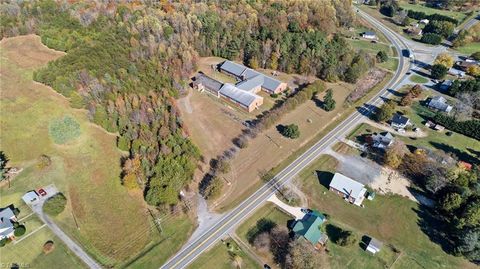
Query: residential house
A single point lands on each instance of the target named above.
(414, 30)
(309, 228)
(30, 197)
(252, 80)
(439, 103)
(369, 35)
(7, 219)
(464, 65)
(348, 188)
(399, 121)
(382, 140)
(374, 246)
(446, 85)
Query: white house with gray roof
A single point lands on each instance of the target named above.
(349, 189)
(7, 218)
(440, 103)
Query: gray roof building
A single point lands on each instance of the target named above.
(245, 74)
(250, 84)
(352, 190)
(440, 103)
(7, 218)
(209, 83)
(382, 140)
(242, 97)
(374, 246)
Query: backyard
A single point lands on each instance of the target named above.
(392, 219)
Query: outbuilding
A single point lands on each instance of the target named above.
(30, 197)
(374, 246)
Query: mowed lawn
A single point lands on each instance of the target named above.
(392, 219)
(221, 257)
(28, 251)
(113, 225)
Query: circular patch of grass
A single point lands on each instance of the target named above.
(64, 130)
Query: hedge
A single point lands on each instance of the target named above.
(419, 15)
(470, 128)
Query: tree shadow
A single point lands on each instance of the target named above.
(280, 128)
(319, 103)
(396, 93)
(367, 110)
(324, 178)
(461, 155)
(434, 227)
(263, 225)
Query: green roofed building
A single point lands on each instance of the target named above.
(309, 228)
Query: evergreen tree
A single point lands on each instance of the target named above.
(328, 101)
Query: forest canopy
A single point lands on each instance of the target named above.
(127, 62)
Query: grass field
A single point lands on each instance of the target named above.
(418, 79)
(391, 64)
(470, 48)
(113, 224)
(221, 257)
(460, 16)
(391, 219)
(28, 253)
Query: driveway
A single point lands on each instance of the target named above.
(37, 207)
(296, 212)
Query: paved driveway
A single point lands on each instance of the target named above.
(296, 212)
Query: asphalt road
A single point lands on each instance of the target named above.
(248, 206)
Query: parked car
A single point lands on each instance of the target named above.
(42, 192)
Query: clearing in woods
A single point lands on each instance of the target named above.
(113, 224)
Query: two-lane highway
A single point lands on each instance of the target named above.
(248, 206)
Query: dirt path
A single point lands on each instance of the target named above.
(387, 128)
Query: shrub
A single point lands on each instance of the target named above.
(438, 71)
(476, 55)
(64, 130)
(274, 95)
(431, 38)
(346, 238)
(55, 204)
(43, 162)
(19, 230)
(3, 242)
(382, 56)
(48, 247)
(473, 70)
(291, 131)
(241, 142)
(213, 188)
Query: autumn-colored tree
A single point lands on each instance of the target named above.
(473, 70)
(445, 59)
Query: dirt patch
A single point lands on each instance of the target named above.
(28, 51)
(364, 85)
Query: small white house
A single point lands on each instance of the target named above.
(369, 35)
(374, 246)
(399, 121)
(30, 197)
(349, 189)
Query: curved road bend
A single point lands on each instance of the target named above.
(248, 206)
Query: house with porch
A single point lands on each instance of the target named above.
(399, 121)
(382, 140)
